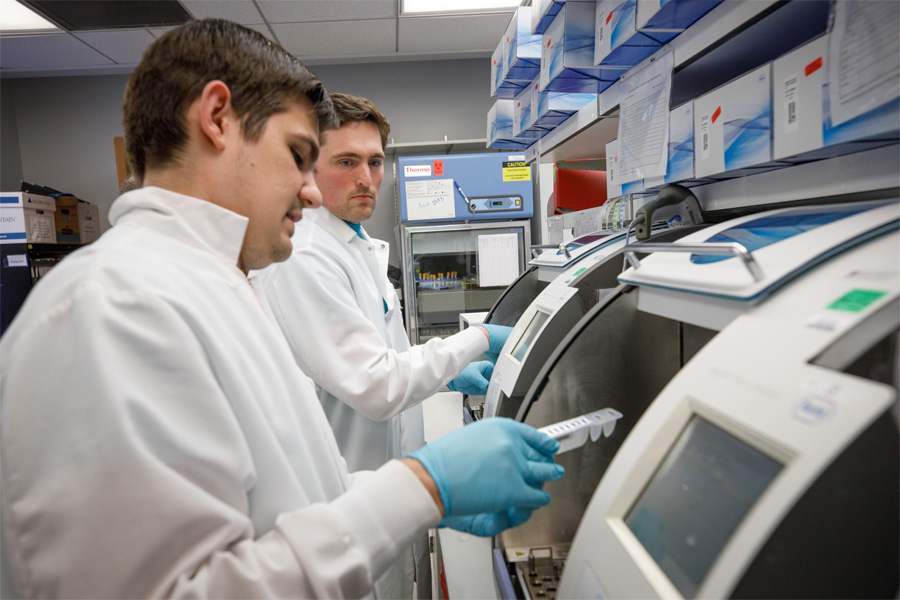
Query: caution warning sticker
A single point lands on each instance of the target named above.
(516, 171)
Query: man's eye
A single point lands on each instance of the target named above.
(376, 163)
(297, 158)
(346, 163)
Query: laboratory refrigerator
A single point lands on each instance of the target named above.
(464, 234)
(454, 268)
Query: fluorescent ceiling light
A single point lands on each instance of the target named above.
(16, 17)
(410, 7)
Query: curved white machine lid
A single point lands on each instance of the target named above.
(783, 243)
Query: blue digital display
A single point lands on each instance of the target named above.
(696, 499)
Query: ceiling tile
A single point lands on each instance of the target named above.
(446, 34)
(123, 46)
(159, 31)
(263, 29)
(336, 39)
(239, 11)
(279, 11)
(48, 51)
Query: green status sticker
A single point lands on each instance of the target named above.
(856, 300)
(579, 271)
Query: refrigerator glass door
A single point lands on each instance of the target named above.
(452, 269)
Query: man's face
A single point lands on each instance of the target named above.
(350, 170)
(273, 181)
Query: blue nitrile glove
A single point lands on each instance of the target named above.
(491, 466)
(474, 379)
(488, 525)
(498, 335)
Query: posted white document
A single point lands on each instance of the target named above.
(429, 200)
(498, 259)
(863, 57)
(644, 121)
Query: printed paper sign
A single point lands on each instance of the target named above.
(644, 120)
(430, 200)
(516, 171)
(863, 71)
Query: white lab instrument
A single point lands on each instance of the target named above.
(768, 467)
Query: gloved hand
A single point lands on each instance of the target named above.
(488, 525)
(474, 379)
(498, 335)
(491, 466)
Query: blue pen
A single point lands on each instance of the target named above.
(461, 193)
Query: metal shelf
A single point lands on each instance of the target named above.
(457, 300)
(437, 147)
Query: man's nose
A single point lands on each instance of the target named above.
(364, 176)
(309, 195)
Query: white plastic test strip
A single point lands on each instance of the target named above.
(573, 433)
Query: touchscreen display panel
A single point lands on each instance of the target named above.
(696, 499)
(527, 338)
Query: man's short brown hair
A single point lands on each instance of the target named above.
(350, 109)
(262, 76)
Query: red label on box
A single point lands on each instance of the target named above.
(716, 114)
(608, 17)
(507, 39)
(813, 66)
(438, 167)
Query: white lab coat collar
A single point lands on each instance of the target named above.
(337, 226)
(196, 222)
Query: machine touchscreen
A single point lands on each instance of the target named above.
(696, 499)
(524, 343)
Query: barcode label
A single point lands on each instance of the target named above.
(704, 129)
(791, 124)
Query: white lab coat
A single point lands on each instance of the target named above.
(332, 290)
(159, 440)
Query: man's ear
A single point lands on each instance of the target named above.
(216, 114)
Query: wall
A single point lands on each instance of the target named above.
(10, 157)
(66, 125)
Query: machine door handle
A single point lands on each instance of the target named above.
(561, 247)
(724, 248)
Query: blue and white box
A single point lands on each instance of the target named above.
(567, 53)
(465, 187)
(500, 127)
(617, 41)
(680, 162)
(733, 125)
(797, 79)
(521, 49)
(499, 87)
(523, 118)
(543, 12)
(549, 109)
(663, 20)
(801, 127)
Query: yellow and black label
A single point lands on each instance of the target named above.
(516, 171)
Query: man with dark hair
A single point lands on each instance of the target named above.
(334, 289)
(158, 438)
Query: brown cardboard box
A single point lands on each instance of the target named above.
(67, 230)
